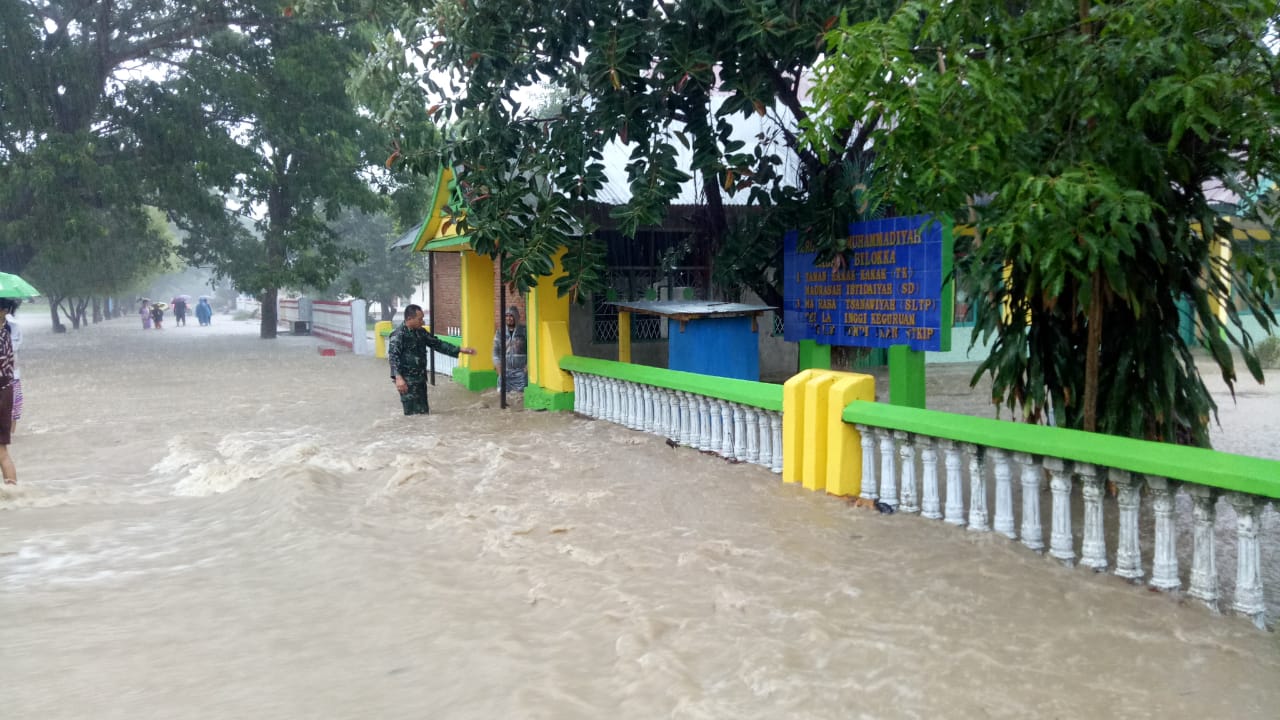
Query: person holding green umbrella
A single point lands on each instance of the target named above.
(12, 287)
(8, 367)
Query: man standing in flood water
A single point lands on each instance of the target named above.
(407, 354)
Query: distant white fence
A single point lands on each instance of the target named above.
(335, 321)
(247, 303)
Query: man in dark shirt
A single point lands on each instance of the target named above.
(407, 355)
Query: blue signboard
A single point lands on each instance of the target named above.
(884, 289)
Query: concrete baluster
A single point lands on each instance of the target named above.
(633, 406)
(1204, 565)
(930, 504)
(954, 509)
(753, 434)
(686, 419)
(709, 409)
(775, 429)
(1093, 549)
(739, 433)
(869, 490)
(1004, 494)
(698, 404)
(1061, 544)
(726, 420)
(717, 426)
(611, 399)
(1249, 599)
(907, 453)
(888, 468)
(766, 440)
(1128, 500)
(977, 488)
(1032, 532)
(1164, 564)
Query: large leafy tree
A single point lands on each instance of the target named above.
(1082, 141)
(109, 107)
(291, 146)
(78, 159)
(659, 78)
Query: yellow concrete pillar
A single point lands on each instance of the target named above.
(477, 371)
(381, 331)
(624, 336)
(545, 305)
(793, 428)
(844, 442)
(813, 460)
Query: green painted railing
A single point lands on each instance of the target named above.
(765, 396)
(1239, 473)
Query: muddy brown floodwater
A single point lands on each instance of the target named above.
(210, 525)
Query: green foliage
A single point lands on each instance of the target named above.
(381, 274)
(1081, 149)
(286, 139)
(1269, 352)
(659, 79)
(106, 108)
(79, 155)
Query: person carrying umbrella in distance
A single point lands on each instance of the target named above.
(12, 287)
(407, 355)
(180, 309)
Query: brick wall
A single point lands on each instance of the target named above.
(448, 290)
(448, 277)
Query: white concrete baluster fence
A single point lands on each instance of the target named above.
(1071, 481)
(733, 430)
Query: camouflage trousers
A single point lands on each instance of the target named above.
(415, 401)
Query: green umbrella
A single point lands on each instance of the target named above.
(12, 286)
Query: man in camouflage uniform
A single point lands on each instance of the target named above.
(407, 354)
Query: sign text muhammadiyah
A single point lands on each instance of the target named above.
(884, 290)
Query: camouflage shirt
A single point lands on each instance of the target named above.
(407, 351)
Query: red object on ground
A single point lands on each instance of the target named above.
(328, 352)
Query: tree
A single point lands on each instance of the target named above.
(655, 77)
(1080, 140)
(382, 274)
(77, 166)
(291, 142)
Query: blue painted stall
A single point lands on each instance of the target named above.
(709, 338)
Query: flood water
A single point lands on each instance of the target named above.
(209, 525)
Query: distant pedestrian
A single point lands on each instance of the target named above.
(144, 310)
(8, 369)
(407, 355)
(204, 313)
(179, 312)
(157, 315)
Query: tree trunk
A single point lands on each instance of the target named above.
(97, 310)
(1092, 359)
(267, 329)
(53, 315)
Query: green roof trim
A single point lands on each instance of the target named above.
(766, 396)
(1201, 466)
(460, 241)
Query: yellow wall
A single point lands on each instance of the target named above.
(477, 310)
(548, 321)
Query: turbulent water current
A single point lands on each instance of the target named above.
(209, 525)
